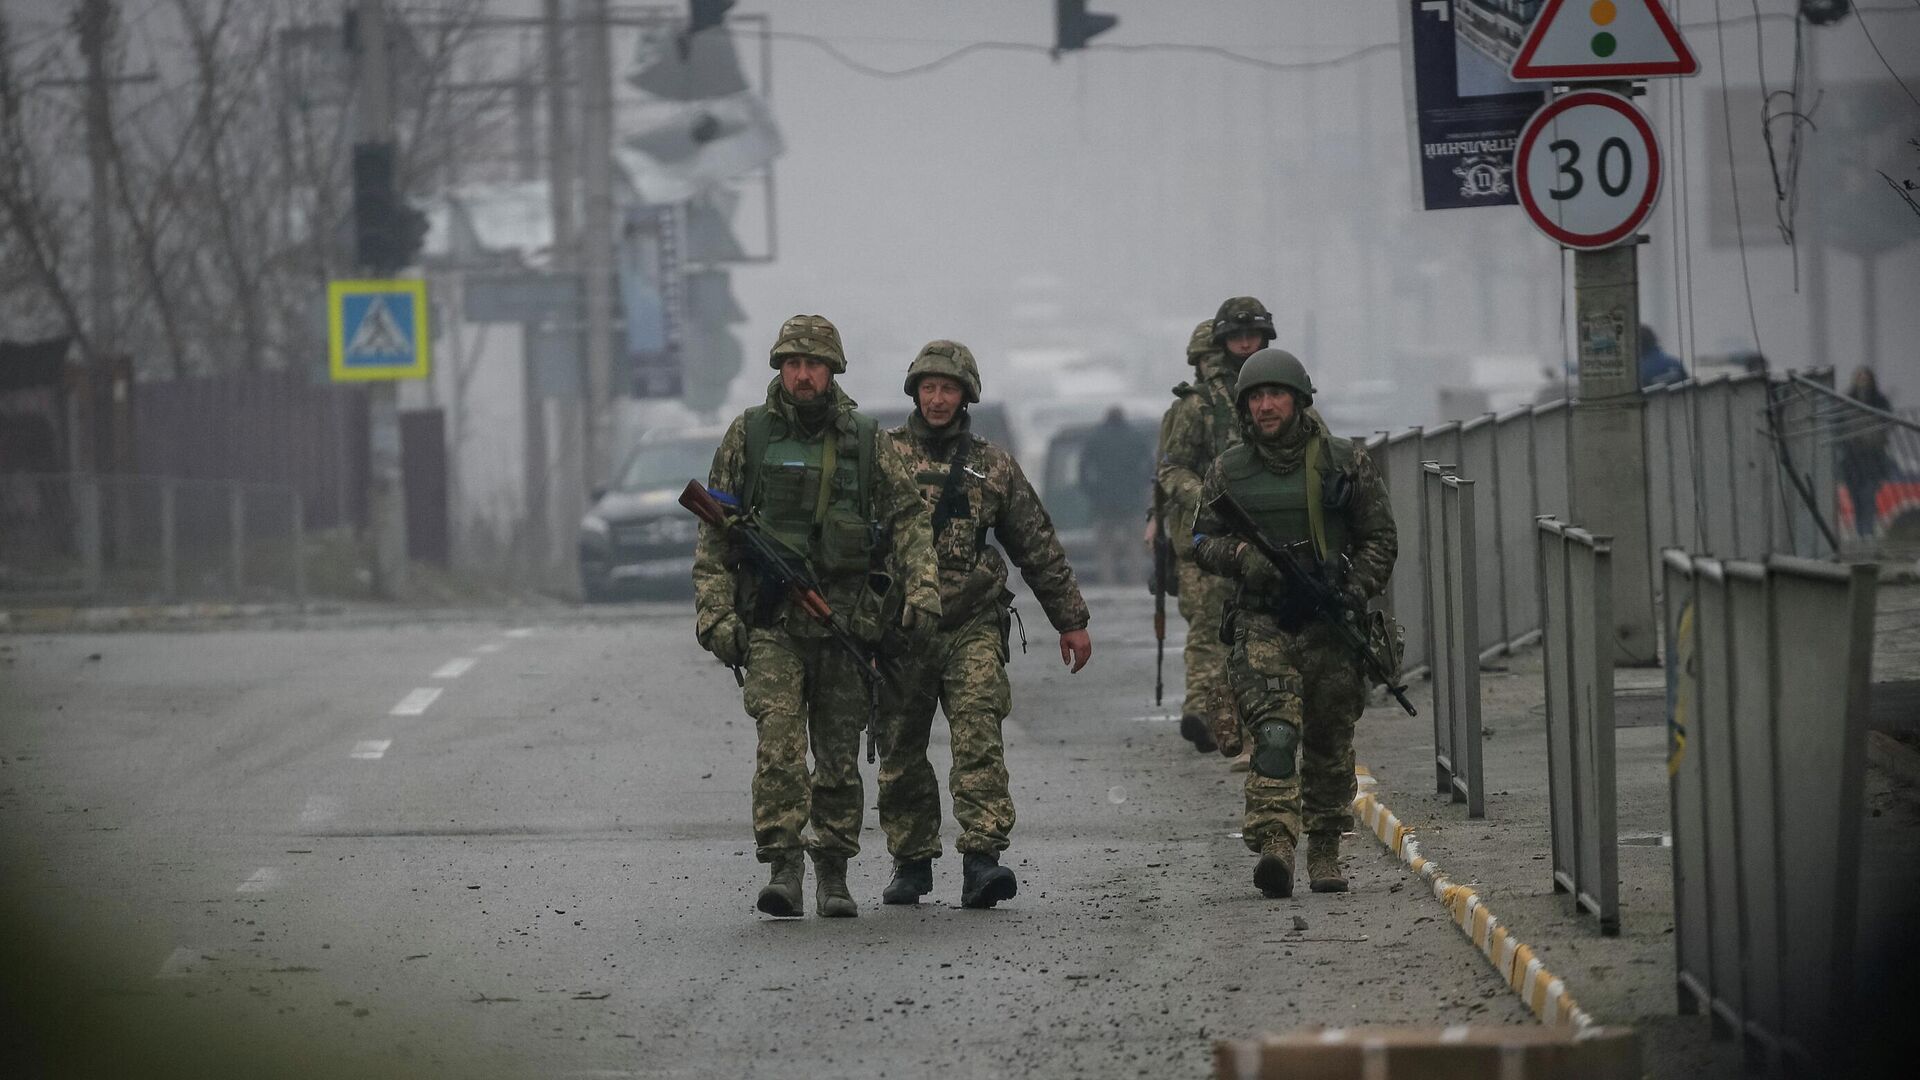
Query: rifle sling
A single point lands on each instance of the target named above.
(952, 493)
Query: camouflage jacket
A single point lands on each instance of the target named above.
(999, 499)
(1372, 540)
(1197, 428)
(896, 504)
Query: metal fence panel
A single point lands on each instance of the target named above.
(1718, 750)
(1687, 785)
(1714, 443)
(1661, 459)
(1550, 454)
(1462, 653)
(1823, 617)
(1754, 484)
(1519, 561)
(1590, 649)
(1480, 463)
(1407, 590)
(1755, 795)
(1433, 533)
(1683, 435)
(1557, 663)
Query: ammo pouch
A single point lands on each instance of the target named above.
(874, 618)
(846, 543)
(1229, 620)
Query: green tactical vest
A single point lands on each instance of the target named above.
(1287, 508)
(814, 496)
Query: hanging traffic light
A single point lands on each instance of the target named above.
(1074, 25)
(1823, 12)
(387, 233)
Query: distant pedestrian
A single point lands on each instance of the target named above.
(1657, 366)
(1116, 476)
(1864, 465)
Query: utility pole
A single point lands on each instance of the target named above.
(95, 27)
(596, 241)
(386, 503)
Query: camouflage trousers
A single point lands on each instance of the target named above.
(965, 668)
(1203, 601)
(804, 692)
(1308, 681)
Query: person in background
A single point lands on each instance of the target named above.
(1863, 452)
(1116, 474)
(1657, 366)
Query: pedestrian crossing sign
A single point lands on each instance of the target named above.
(376, 330)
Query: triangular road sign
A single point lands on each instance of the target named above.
(379, 333)
(1602, 39)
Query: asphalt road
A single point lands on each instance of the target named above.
(482, 847)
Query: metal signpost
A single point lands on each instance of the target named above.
(1588, 172)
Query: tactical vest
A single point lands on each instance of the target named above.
(814, 496)
(1290, 507)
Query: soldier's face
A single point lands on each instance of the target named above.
(939, 399)
(1244, 343)
(1271, 408)
(805, 377)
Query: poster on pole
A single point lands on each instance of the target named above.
(1464, 113)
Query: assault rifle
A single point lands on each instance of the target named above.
(1309, 592)
(1162, 582)
(783, 571)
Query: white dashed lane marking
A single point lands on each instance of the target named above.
(260, 880)
(453, 669)
(520, 632)
(416, 701)
(371, 749)
(320, 808)
(489, 648)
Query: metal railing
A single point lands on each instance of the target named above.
(1767, 685)
(1576, 612)
(85, 536)
(1448, 523)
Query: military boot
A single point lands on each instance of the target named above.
(1274, 872)
(985, 882)
(830, 896)
(1323, 863)
(912, 879)
(781, 895)
(1194, 730)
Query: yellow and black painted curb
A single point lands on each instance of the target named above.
(1543, 992)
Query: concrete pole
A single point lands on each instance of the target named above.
(1608, 464)
(95, 26)
(387, 499)
(596, 241)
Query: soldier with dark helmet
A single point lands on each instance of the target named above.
(1198, 428)
(976, 489)
(1298, 690)
(825, 483)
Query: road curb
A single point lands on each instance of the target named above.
(1543, 992)
(58, 619)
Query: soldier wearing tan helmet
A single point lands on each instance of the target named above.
(977, 492)
(821, 480)
(1197, 428)
(1298, 689)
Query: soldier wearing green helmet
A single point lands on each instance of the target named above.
(819, 478)
(1196, 429)
(1298, 690)
(976, 490)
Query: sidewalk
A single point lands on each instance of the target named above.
(1505, 857)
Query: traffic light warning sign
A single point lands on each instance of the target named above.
(1602, 39)
(376, 330)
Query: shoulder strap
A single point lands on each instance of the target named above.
(867, 430)
(1316, 514)
(952, 498)
(759, 433)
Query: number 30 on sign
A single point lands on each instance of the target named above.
(1588, 169)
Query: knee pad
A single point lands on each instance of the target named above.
(1276, 744)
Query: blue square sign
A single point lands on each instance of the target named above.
(377, 330)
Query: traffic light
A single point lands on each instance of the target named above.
(706, 14)
(387, 233)
(1074, 25)
(1822, 12)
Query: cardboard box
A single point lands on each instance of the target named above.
(1450, 1053)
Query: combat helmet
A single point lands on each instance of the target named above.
(1242, 313)
(1201, 343)
(810, 335)
(1272, 366)
(949, 358)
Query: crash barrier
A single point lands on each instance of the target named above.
(1576, 614)
(1767, 683)
(78, 535)
(1717, 481)
(1447, 531)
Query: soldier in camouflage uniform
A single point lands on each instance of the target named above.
(1299, 691)
(802, 689)
(1196, 429)
(975, 488)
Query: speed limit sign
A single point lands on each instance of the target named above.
(1588, 169)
